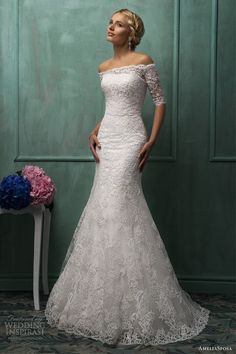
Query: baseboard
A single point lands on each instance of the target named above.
(24, 282)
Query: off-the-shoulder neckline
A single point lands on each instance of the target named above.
(123, 67)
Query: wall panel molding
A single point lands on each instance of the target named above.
(213, 87)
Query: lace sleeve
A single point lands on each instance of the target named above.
(154, 85)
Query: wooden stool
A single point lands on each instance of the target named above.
(42, 220)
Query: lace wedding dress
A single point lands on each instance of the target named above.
(116, 283)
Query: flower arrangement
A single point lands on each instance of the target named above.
(14, 192)
(30, 187)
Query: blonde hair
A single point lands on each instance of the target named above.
(136, 26)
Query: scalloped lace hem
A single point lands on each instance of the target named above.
(130, 337)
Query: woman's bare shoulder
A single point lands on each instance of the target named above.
(144, 58)
(104, 65)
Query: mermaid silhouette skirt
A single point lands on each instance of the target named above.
(116, 283)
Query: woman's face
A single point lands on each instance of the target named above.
(118, 30)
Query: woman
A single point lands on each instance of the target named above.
(117, 284)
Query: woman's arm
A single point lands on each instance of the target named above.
(157, 122)
(96, 129)
(93, 141)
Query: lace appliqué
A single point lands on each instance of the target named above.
(121, 288)
(153, 81)
(148, 73)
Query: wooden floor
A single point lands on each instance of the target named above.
(24, 330)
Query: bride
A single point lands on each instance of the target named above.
(117, 283)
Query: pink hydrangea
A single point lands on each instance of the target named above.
(43, 188)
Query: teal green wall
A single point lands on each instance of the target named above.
(50, 99)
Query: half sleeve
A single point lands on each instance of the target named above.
(154, 85)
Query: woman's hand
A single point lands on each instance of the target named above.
(143, 155)
(93, 141)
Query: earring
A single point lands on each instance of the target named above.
(129, 44)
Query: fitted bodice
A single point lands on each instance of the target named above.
(125, 88)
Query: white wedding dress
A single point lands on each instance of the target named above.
(116, 283)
